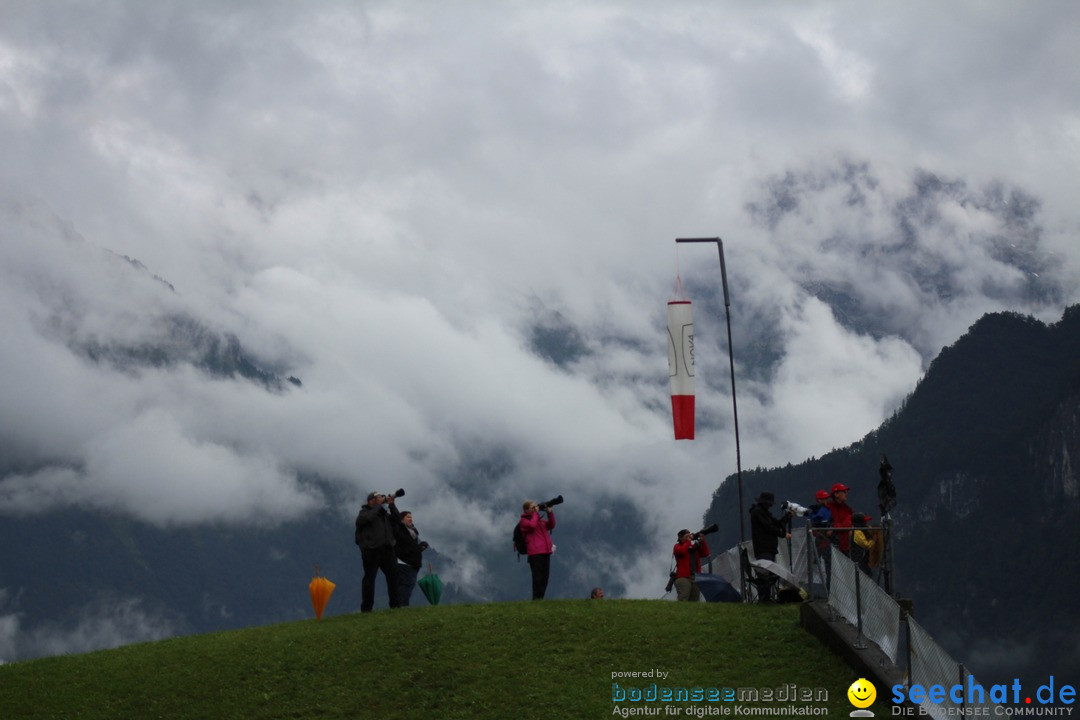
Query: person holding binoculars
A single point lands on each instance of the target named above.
(375, 536)
(537, 532)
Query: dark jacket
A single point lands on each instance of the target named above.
(408, 548)
(765, 530)
(374, 528)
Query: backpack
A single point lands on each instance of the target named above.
(519, 540)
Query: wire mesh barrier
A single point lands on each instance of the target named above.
(855, 592)
(929, 664)
(792, 555)
(855, 596)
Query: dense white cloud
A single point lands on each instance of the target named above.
(378, 198)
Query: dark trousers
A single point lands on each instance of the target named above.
(541, 568)
(826, 556)
(374, 560)
(406, 582)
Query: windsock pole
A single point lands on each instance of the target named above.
(731, 360)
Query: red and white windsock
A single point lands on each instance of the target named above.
(680, 328)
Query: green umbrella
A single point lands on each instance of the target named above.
(431, 585)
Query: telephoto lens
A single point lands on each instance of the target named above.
(553, 501)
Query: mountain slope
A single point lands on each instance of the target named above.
(983, 452)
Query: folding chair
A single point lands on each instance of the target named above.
(758, 585)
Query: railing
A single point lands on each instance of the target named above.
(858, 598)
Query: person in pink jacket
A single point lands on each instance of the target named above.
(538, 545)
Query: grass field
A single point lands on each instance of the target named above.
(551, 660)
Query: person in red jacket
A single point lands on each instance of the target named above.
(688, 553)
(538, 545)
(842, 516)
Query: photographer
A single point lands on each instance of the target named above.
(688, 552)
(537, 532)
(766, 530)
(375, 536)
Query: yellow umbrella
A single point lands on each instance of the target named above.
(320, 589)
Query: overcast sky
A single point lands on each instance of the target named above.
(384, 197)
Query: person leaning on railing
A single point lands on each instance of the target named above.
(841, 516)
(868, 545)
(821, 520)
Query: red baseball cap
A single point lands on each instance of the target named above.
(840, 487)
(821, 495)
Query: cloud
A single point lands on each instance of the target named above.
(102, 624)
(386, 203)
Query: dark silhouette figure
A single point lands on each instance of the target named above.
(886, 489)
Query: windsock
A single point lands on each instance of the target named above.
(680, 328)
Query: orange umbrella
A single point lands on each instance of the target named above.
(320, 589)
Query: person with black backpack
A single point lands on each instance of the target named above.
(536, 538)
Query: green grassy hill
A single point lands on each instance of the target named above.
(551, 659)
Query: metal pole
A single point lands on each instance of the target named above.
(731, 361)
(888, 558)
(859, 644)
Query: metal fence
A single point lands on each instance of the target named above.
(929, 664)
(857, 597)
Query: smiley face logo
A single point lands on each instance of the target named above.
(862, 693)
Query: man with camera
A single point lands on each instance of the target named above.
(688, 552)
(766, 530)
(375, 536)
(538, 545)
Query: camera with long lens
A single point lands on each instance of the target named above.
(553, 501)
(698, 535)
(396, 494)
(794, 508)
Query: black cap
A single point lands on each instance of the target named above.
(766, 498)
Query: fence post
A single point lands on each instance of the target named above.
(859, 642)
(907, 641)
(889, 557)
